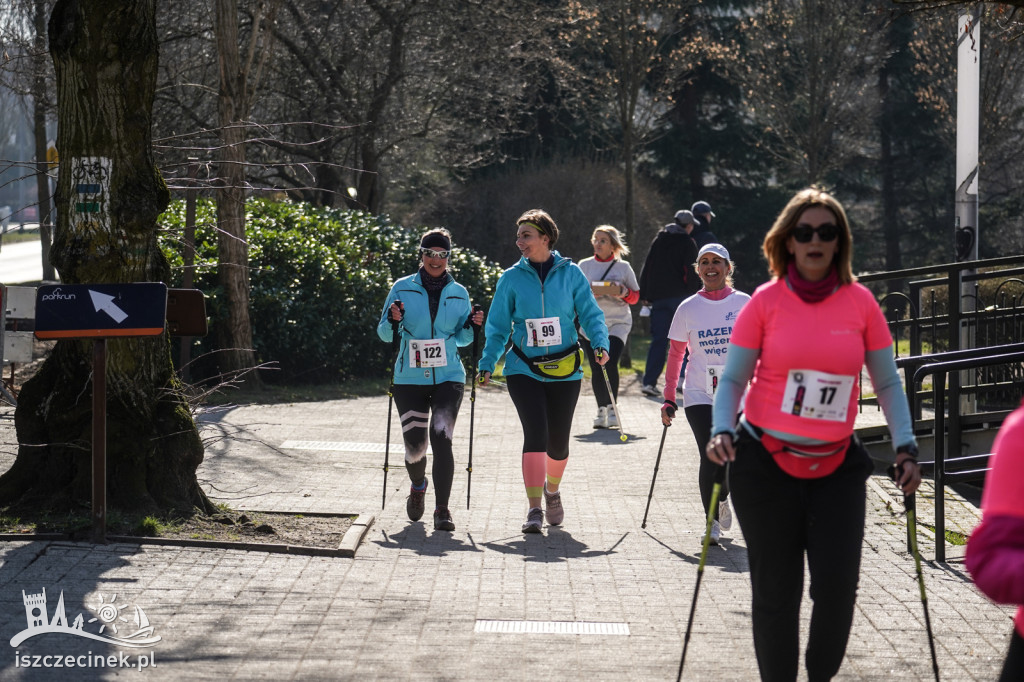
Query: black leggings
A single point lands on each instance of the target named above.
(415, 403)
(545, 409)
(1013, 668)
(699, 417)
(597, 377)
(783, 518)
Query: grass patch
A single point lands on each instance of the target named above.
(19, 235)
(952, 537)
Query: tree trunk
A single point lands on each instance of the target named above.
(235, 332)
(105, 54)
(39, 110)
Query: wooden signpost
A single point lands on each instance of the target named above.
(99, 312)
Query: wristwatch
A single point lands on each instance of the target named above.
(910, 449)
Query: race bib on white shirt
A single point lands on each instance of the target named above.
(427, 353)
(543, 331)
(817, 395)
(714, 376)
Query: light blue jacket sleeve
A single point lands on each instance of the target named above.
(889, 388)
(739, 370)
(384, 330)
(498, 326)
(464, 333)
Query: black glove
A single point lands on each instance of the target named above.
(670, 408)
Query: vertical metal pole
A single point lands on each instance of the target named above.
(967, 234)
(939, 377)
(99, 441)
(189, 255)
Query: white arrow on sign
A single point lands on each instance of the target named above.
(105, 302)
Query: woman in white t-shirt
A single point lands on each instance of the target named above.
(703, 324)
(615, 288)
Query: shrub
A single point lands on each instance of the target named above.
(318, 280)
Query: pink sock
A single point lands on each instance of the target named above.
(533, 472)
(556, 467)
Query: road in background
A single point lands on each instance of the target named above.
(21, 262)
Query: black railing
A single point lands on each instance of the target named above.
(939, 369)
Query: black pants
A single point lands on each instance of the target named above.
(545, 409)
(1013, 668)
(612, 366)
(699, 417)
(783, 518)
(441, 402)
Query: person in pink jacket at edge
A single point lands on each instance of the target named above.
(703, 324)
(995, 552)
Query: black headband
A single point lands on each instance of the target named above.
(436, 240)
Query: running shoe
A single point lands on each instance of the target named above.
(443, 519)
(724, 514)
(414, 503)
(650, 390)
(613, 417)
(716, 533)
(534, 520)
(553, 505)
(601, 420)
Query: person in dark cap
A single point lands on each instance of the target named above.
(701, 232)
(665, 280)
(433, 315)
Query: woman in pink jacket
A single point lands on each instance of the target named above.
(995, 552)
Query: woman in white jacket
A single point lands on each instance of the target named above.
(615, 287)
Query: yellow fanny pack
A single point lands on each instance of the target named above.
(556, 366)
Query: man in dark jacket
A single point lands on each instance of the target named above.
(701, 232)
(665, 280)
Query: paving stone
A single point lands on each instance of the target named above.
(406, 606)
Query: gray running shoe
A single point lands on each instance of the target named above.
(724, 515)
(553, 505)
(613, 417)
(414, 503)
(716, 533)
(534, 520)
(649, 390)
(443, 519)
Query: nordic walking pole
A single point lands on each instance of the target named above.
(472, 405)
(655, 476)
(391, 398)
(608, 384)
(715, 492)
(910, 505)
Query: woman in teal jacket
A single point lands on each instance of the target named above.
(536, 303)
(434, 317)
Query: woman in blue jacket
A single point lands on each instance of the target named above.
(536, 302)
(434, 317)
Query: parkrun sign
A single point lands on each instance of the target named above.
(113, 622)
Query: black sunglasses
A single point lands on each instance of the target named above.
(826, 233)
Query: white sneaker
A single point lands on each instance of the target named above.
(613, 418)
(649, 390)
(716, 533)
(724, 515)
(601, 420)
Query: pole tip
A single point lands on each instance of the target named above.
(623, 438)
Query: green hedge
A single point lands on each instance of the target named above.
(318, 280)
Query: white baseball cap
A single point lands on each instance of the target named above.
(716, 249)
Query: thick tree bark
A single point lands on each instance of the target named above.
(105, 54)
(39, 111)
